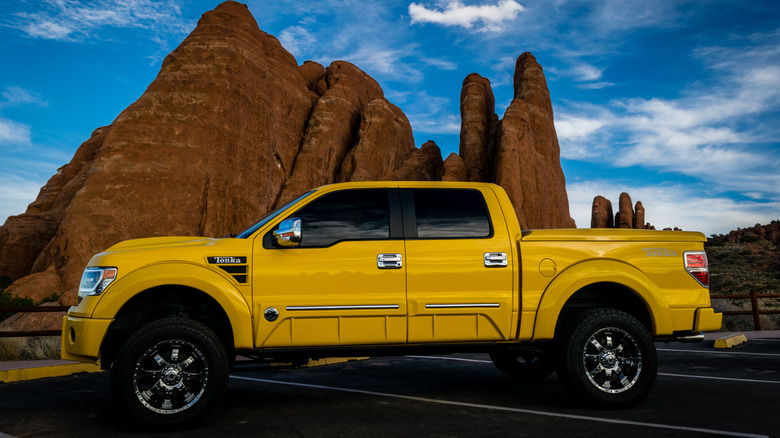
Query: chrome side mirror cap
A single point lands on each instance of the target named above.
(289, 232)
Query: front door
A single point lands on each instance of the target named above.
(344, 284)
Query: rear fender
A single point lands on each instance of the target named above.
(580, 275)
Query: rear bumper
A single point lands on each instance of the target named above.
(707, 320)
(81, 338)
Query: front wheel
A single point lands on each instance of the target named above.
(170, 372)
(608, 359)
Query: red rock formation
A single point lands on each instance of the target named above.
(425, 164)
(477, 128)
(601, 213)
(385, 142)
(626, 217)
(454, 169)
(527, 163)
(769, 232)
(639, 215)
(232, 127)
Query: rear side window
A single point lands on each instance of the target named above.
(450, 213)
(345, 215)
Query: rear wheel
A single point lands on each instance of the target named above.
(170, 372)
(528, 366)
(608, 359)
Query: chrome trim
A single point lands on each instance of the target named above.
(689, 337)
(461, 306)
(289, 232)
(349, 307)
(389, 261)
(495, 259)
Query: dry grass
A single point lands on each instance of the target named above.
(36, 348)
(738, 268)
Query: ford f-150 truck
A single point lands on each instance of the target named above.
(379, 268)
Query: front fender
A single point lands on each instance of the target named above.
(580, 275)
(192, 275)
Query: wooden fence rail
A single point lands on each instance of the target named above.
(27, 309)
(755, 310)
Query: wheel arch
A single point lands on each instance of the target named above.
(174, 289)
(602, 283)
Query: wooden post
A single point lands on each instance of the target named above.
(756, 311)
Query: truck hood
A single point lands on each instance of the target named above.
(161, 242)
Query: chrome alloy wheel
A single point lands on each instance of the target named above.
(170, 376)
(612, 360)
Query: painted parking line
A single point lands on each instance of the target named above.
(731, 379)
(692, 376)
(503, 408)
(738, 353)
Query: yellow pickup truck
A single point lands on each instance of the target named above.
(381, 268)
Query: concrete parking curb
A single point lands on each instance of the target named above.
(38, 369)
(31, 370)
(730, 341)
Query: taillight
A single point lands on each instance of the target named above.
(696, 265)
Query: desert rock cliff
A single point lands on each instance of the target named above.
(233, 127)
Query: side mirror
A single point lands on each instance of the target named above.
(289, 232)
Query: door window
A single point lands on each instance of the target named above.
(450, 213)
(345, 215)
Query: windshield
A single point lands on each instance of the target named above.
(251, 230)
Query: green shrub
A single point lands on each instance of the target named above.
(5, 281)
(749, 238)
(8, 300)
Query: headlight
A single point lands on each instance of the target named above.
(95, 281)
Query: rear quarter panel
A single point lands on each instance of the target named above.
(558, 263)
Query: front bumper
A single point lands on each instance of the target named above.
(82, 337)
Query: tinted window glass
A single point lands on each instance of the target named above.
(248, 232)
(448, 213)
(345, 215)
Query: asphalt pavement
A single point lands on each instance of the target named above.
(700, 391)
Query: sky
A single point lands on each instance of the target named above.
(675, 102)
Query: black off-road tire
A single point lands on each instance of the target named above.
(607, 359)
(170, 373)
(526, 366)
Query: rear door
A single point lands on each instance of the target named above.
(459, 265)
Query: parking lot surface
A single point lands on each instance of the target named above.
(700, 391)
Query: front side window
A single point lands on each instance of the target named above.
(360, 214)
(450, 213)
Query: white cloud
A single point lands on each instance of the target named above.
(673, 205)
(14, 95)
(586, 72)
(297, 41)
(75, 20)
(14, 133)
(441, 64)
(435, 124)
(15, 194)
(708, 133)
(486, 17)
(573, 128)
(386, 63)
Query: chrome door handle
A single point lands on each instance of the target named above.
(495, 259)
(389, 261)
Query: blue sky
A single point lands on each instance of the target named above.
(675, 102)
